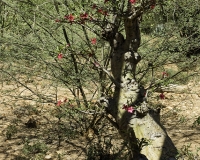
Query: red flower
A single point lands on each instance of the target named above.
(162, 96)
(57, 20)
(94, 41)
(100, 11)
(60, 56)
(70, 18)
(59, 103)
(164, 74)
(84, 16)
(132, 1)
(96, 64)
(152, 6)
(129, 109)
(105, 13)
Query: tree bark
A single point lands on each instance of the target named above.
(142, 130)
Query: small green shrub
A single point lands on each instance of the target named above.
(187, 153)
(196, 122)
(11, 131)
(38, 148)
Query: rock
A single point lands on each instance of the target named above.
(47, 157)
(32, 123)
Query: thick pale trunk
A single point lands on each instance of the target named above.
(142, 128)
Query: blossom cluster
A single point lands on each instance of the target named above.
(132, 1)
(84, 16)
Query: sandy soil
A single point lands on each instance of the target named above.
(180, 108)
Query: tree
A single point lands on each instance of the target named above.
(136, 126)
(70, 36)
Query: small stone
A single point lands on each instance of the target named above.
(47, 157)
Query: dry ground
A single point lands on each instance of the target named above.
(180, 109)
